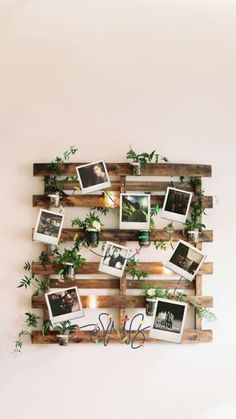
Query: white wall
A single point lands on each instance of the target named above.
(102, 75)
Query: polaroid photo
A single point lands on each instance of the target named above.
(186, 260)
(64, 305)
(135, 211)
(48, 227)
(93, 176)
(176, 205)
(168, 320)
(114, 259)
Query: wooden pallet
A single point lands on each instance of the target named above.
(124, 301)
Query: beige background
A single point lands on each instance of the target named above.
(102, 75)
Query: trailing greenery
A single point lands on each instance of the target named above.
(51, 181)
(134, 270)
(201, 312)
(154, 210)
(69, 256)
(31, 280)
(161, 244)
(91, 221)
(197, 208)
(32, 322)
(65, 327)
(144, 158)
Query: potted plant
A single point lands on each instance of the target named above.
(144, 236)
(141, 160)
(193, 226)
(91, 226)
(69, 261)
(150, 301)
(64, 329)
(54, 187)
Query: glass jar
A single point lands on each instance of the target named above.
(144, 238)
(150, 306)
(92, 237)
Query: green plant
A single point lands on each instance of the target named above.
(31, 321)
(154, 210)
(197, 208)
(51, 181)
(144, 158)
(91, 221)
(69, 256)
(161, 244)
(31, 280)
(134, 270)
(65, 327)
(201, 312)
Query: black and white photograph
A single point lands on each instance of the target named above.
(176, 205)
(48, 227)
(64, 305)
(114, 259)
(134, 211)
(168, 320)
(186, 260)
(93, 177)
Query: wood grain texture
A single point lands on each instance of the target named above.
(125, 169)
(114, 283)
(87, 201)
(117, 236)
(140, 186)
(153, 268)
(116, 301)
(189, 336)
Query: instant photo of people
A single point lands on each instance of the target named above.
(114, 259)
(64, 305)
(134, 211)
(186, 260)
(48, 227)
(176, 205)
(168, 320)
(93, 176)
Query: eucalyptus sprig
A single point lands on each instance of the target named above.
(27, 281)
(69, 256)
(197, 207)
(144, 158)
(91, 220)
(32, 322)
(201, 312)
(154, 210)
(134, 270)
(51, 181)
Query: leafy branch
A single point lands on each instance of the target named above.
(134, 270)
(51, 181)
(144, 158)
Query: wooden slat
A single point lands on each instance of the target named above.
(116, 235)
(132, 186)
(125, 169)
(114, 283)
(116, 301)
(153, 268)
(189, 336)
(87, 201)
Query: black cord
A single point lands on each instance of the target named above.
(177, 284)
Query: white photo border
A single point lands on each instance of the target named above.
(133, 225)
(97, 187)
(44, 237)
(181, 271)
(173, 216)
(108, 269)
(163, 334)
(68, 316)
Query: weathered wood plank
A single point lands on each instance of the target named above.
(117, 301)
(116, 235)
(189, 336)
(114, 283)
(153, 268)
(87, 201)
(132, 186)
(125, 169)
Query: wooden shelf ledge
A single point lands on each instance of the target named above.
(125, 169)
(153, 268)
(116, 301)
(189, 336)
(87, 201)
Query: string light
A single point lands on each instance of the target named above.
(92, 302)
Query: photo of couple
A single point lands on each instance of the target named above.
(114, 259)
